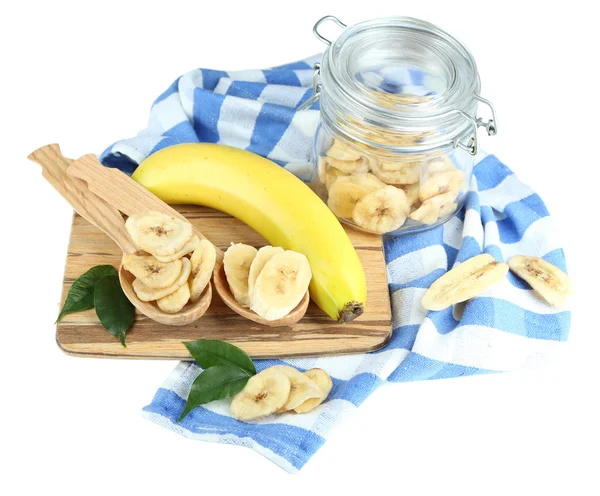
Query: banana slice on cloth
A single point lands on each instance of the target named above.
(360, 166)
(174, 302)
(348, 190)
(442, 182)
(263, 394)
(302, 388)
(323, 382)
(397, 172)
(263, 255)
(203, 263)
(281, 285)
(188, 248)
(152, 272)
(340, 151)
(157, 233)
(237, 261)
(546, 279)
(465, 281)
(146, 293)
(382, 211)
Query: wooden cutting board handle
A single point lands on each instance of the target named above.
(92, 208)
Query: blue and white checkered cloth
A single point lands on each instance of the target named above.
(507, 328)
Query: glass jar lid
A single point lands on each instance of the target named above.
(402, 84)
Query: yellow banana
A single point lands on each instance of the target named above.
(271, 200)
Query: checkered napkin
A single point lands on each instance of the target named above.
(507, 328)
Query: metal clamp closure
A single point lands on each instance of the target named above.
(321, 21)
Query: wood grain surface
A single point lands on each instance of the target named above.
(81, 334)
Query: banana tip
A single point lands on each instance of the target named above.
(351, 311)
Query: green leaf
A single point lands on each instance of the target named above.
(115, 311)
(216, 383)
(81, 293)
(209, 352)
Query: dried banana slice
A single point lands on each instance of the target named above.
(237, 261)
(328, 175)
(463, 282)
(442, 182)
(263, 255)
(188, 248)
(397, 172)
(145, 293)
(158, 233)
(203, 263)
(412, 192)
(174, 302)
(324, 383)
(546, 279)
(302, 388)
(433, 208)
(383, 210)
(152, 272)
(442, 163)
(346, 191)
(281, 285)
(360, 166)
(340, 151)
(263, 394)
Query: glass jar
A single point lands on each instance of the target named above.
(395, 145)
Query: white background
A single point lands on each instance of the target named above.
(84, 74)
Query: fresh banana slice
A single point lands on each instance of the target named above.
(188, 248)
(263, 255)
(158, 233)
(360, 166)
(346, 191)
(442, 182)
(281, 285)
(324, 383)
(174, 302)
(152, 272)
(263, 394)
(237, 261)
(340, 151)
(302, 388)
(546, 279)
(203, 263)
(146, 293)
(412, 192)
(382, 211)
(463, 282)
(397, 172)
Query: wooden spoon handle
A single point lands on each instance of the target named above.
(88, 205)
(118, 189)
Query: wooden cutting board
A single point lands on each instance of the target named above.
(81, 334)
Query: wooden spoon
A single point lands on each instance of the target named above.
(129, 197)
(99, 213)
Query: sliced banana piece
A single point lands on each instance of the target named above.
(323, 382)
(442, 182)
(281, 285)
(546, 279)
(340, 151)
(263, 394)
(328, 175)
(412, 192)
(441, 163)
(302, 388)
(146, 293)
(263, 255)
(463, 282)
(158, 233)
(383, 210)
(203, 263)
(360, 166)
(346, 191)
(435, 207)
(188, 248)
(174, 302)
(152, 272)
(237, 261)
(397, 172)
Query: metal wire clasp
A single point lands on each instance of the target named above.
(321, 21)
(316, 89)
(491, 126)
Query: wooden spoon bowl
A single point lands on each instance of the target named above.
(222, 286)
